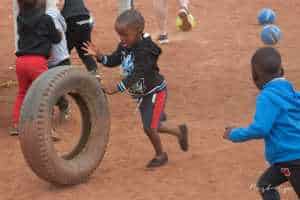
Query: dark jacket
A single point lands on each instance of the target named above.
(139, 67)
(37, 33)
(73, 8)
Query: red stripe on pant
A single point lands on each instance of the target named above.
(28, 68)
(158, 108)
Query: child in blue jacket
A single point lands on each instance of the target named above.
(277, 121)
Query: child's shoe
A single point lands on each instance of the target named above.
(14, 131)
(183, 139)
(184, 16)
(158, 161)
(163, 39)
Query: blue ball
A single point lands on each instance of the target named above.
(270, 34)
(266, 16)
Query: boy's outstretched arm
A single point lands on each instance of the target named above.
(112, 60)
(266, 113)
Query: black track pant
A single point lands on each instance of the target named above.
(78, 34)
(276, 175)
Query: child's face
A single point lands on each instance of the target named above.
(128, 36)
(60, 4)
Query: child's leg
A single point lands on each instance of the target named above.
(161, 11)
(291, 171)
(155, 140)
(179, 131)
(151, 108)
(84, 35)
(28, 68)
(69, 38)
(24, 83)
(125, 5)
(184, 15)
(266, 184)
(184, 4)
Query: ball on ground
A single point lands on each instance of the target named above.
(271, 34)
(266, 16)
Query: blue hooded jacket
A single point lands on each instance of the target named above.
(277, 121)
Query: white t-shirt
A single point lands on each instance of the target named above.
(59, 52)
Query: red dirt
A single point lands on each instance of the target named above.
(209, 87)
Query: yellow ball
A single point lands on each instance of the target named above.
(179, 22)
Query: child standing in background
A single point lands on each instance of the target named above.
(59, 52)
(161, 11)
(80, 24)
(277, 121)
(37, 33)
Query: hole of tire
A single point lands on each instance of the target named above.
(66, 127)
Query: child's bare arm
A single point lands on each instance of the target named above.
(91, 49)
(112, 60)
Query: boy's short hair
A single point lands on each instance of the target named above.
(133, 19)
(267, 60)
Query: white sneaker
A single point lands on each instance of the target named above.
(163, 39)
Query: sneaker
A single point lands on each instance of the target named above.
(163, 39)
(183, 139)
(158, 161)
(184, 16)
(14, 131)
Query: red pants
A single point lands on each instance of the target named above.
(28, 68)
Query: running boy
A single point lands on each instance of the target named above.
(138, 56)
(37, 33)
(277, 121)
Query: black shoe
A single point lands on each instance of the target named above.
(158, 161)
(183, 139)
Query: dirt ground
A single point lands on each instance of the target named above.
(209, 87)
